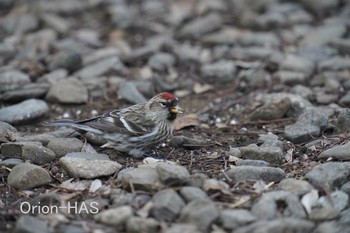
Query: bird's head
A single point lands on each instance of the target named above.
(164, 106)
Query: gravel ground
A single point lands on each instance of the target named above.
(263, 145)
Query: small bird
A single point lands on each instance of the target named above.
(133, 129)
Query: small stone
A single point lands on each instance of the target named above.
(324, 34)
(329, 176)
(28, 91)
(56, 22)
(267, 206)
(259, 39)
(182, 228)
(201, 26)
(172, 174)
(100, 68)
(342, 45)
(7, 132)
(324, 213)
(167, 205)
(28, 224)
(145, 225)
(143, 178)
(233, 218)
(190, 193)
(271, 109)
(68, 91)
(298, 64)
(129, 92)
(252, 162)
(88, 165)
(11, 162)
(340, 152)
(345, 100)
(26, 176)
(220, 71)
(23, 112)
(307, 127)
(339, 199)
(334, 64)
(161, 61)
(115, 216)
(34, 152)
(44, 138)
(267, 174)
(343, 121)
(346, 187)
(68, 60)
(200, 212)
(62, 146)
(290, 77)
(297, 187)
(279, 225)
(272, 154)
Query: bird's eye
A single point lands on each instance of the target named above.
(164, 104)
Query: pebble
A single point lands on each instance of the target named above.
(345, 100)
(182, 228)
(172, 174)
(340, 200)
(233, 218)
(323, 213)
(27, 223)
(190, 193)
(88, 165)
(267, 174)
(138, 224)
(271, 109)
(263, 39)
(298, 64)
(11, 162)
(115, 216)
(218, 72)
(308, 126)
(290, 78)
(252, 162)
(167, 205)
(34, 152)
(200, 212)
(295, 186)
(28, 91)
(201, 26)
(143, 178)
(7, 132)
(128, 92)
(44, 138)
(342, 45)
(346, 187)
(100, 68)
(161, 61)
(26, 176)
(339, 152)
(68, 91)
(62, 146)
(292, 224)
(324, 34)
(329, 176)
(334, 64)
(23, 112)
(68, 60)
(267, 206)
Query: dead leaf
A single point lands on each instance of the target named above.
(187, 120)
(309, 200)
(95, 185)
(289, 155)
(150, 160)
(201, 88)
(75, 186)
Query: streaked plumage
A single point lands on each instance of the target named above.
(134, 128)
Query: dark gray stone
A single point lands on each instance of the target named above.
(68, 91)
(267, 174)
(68, 60)
(167, 205)
(297, 187)
(233, 218)
(201, 26)
(200, 212)
(308, 126)
(343, 121)
(62, 146)
(334, 64)
(115, 216)
(143, 178)
(340, 152)
(138, 224)
(266, 207)
(80, 166)
(7, 132)
(190, 193)
(172, 174)
(129, 92)
(220, 71)
(23, 112)
(329, 176)
(30, 224)
(161, 61)
(26, 176)
(252, 162)
(339, 199)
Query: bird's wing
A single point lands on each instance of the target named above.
(125, 121)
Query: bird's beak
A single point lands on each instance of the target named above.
(176, 110)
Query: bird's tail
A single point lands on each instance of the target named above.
(73, 124)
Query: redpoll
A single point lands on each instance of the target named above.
(135, 128)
